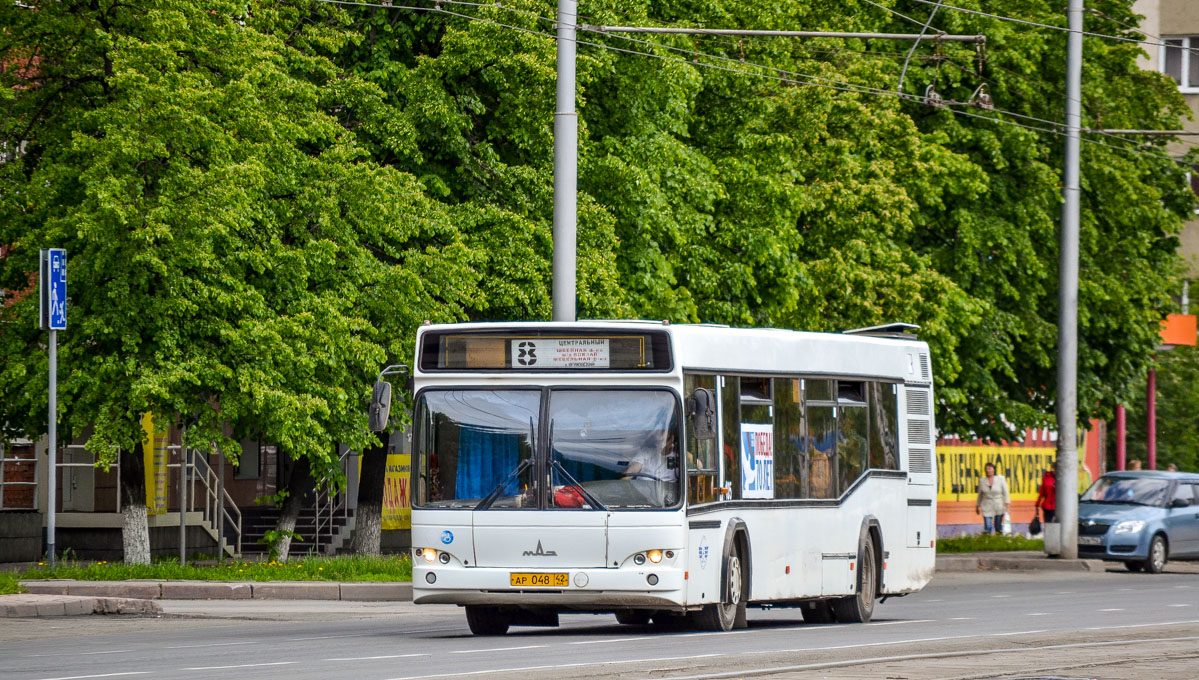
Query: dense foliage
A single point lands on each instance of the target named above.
(1177, 403)
(262, 199)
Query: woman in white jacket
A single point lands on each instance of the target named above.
(993, 500)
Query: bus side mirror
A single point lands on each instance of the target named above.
(701, 409)
(380, 410)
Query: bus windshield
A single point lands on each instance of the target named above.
(589, 449)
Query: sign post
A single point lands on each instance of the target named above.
(52, 296)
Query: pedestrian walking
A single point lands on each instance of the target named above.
(993, 500)
(1047, 496)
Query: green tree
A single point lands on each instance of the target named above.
(237, 261)
(1177, 404)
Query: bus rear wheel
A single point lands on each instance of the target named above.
(487, 620)
(723, 616)
(859, 607)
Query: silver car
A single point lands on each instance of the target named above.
(1140, 518)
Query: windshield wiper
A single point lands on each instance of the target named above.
(587, 496)
(495, 493)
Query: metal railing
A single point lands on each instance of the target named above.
(329, 504)
(204, 493)
(5, 459)
(217, 507)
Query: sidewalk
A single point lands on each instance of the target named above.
(1022, 560)
(69, 597)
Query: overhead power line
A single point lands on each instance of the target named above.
(943, 37)
(778, 75)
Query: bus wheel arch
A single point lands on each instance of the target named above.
(729, 612)
(859, 607)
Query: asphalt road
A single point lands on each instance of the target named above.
(964, 625)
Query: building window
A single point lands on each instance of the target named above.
(1180, 61)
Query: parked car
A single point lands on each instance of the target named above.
(1140, 518)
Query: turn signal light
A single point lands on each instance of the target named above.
(429, 554)
(654, 556)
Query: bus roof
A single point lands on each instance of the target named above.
(712, 348)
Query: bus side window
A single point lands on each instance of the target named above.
(703, 472)
(730, 420)
(790, 461)
(820, 413)
(884, 426)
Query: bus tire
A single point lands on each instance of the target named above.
(859, 607)
(723, 616)
(633, 617)
(486, 620)
(817, 611)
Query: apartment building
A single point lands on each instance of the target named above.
(1172, 29)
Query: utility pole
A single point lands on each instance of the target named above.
(1067, 331)
(566, 166)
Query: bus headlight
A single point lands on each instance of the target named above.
(654, 556)
(429, 554)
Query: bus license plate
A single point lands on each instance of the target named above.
(550, 580)
(1090, 540)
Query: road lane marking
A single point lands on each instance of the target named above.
(499, 649)
(107, 651)
(372, 658)
(601, 642)
(241, 665)
(1000, 596)
(1111, 610)
(963, 618)
(910, 657)
(1143, 625)
(554, 666)
(102, 675)
(1038, 614)
(213, 644)
(328, 637)
(895, 623)
(1178, 605)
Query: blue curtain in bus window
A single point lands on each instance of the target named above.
(484, 460)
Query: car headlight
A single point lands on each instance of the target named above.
(1132, 526)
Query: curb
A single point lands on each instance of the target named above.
(25, 606)
(225, 590)
(972, 563)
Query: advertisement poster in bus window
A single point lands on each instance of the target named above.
(757, 460)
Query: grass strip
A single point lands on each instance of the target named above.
(311, 568)
(987, 543)
(9, 583)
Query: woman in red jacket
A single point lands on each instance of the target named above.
(1047, 496)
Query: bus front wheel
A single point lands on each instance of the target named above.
(723, 616)
(486, 620)
(859, 607)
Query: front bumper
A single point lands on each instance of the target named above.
(589, 589)
(1111, 546)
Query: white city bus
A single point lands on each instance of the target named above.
(669, 472)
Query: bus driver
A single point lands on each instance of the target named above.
(658, 461)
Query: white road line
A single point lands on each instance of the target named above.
(102, 675)
(243, 665)
(1038, 614)
(1021, 632)
(1000, 596)
(371, 658)
(1143, 625)
(963, 618)
(1178, 605)
(108, 651)
(1111, 610)
(602, 642)
(500, 649)
(555, 666)
(896, 623)
(213, 644)
(908, 657)
(328, 637)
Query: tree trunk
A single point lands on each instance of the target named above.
(135, 530)
(299, 483)
(368, 518)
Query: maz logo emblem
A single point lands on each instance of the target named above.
(539, 552)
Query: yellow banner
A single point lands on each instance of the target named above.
(155, 452)
(397, 504)
(960, 467)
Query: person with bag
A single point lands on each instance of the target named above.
(1047, 496)
(993, 500)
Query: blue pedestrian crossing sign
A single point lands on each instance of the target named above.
(53, 289)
